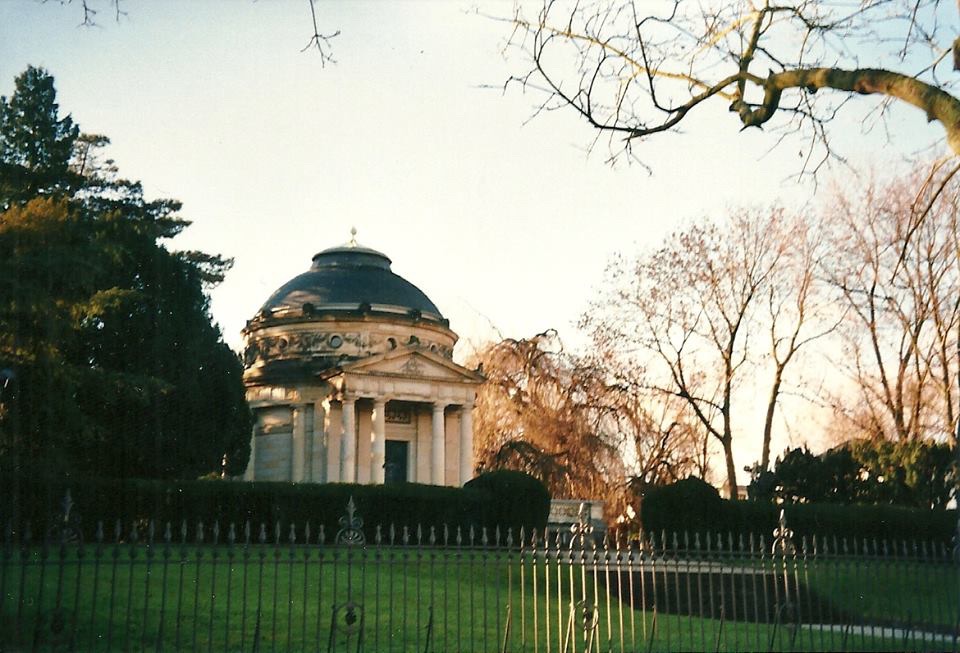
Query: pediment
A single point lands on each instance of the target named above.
(413, 364)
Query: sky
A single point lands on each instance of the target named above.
(506, 222)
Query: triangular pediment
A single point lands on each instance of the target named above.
(410, 363)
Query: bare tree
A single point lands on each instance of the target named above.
(584, 432)
(661, 444)
(895, 266)
(798, 310)
(682, 315)
(634, 69)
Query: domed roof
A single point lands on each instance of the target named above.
(350, 279)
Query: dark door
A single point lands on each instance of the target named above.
(395, 467)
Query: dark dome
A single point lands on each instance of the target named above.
(351, 279)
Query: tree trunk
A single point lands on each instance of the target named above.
(768, 420)
(731, 468)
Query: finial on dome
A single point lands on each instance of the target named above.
(353, 237)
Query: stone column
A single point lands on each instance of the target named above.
(466, 443)
(333, 427)
(318, 450)
(348, 450)
(378, 444)
(437, 448)
(298, 445)
(249, 472)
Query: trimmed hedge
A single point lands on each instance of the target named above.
(694, 506)
(484, 504)
(519, 500)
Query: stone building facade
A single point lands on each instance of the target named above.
(349, 372)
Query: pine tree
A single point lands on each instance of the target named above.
(120, 369)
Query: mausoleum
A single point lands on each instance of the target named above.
(349, 373)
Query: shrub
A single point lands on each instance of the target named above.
(271, 504)
(515, 500)
(692, 506)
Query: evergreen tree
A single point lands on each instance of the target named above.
(119, 368)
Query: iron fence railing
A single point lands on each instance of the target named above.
(214, 587)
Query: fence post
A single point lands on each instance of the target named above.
(783, 547)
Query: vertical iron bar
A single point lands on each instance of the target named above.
(132, 554)
(533, 592)
(231, 557)
(75, 628)
(460, 571)
(61, 571)
(167, 537)
(214, 560)
(523, 595)
(497, 579)
(292, 538)
(392, 564)
(97, 555)
(417, 556)
(306, 577)
(21, 598)
(560, 602)
(571, 573)
(835, 561)
(654, 555)
(431, 559)
(756, 567)
(38, 615)
(321, 542)
(404, 556)
(619, 566)
(630, 582)
(261, 560)
(730, 575)
(765, 580)
(243, 603)
(472, 589)
(484, 543)
(700, 571)
(198, 557)
(547, 570)
(148, 555)
(7, 553)
(277, 554)
(276, 574)
(182, 564)
(115, 555)
(743, 568)
(856, 561)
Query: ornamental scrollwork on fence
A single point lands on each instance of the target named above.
(782, 536)
(66, 529)
(582, 528)
(351, 533)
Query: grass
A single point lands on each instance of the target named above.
(312, 598)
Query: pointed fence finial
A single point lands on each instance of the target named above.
(351, 533)
(782, 536)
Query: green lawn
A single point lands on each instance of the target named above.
(313, 598)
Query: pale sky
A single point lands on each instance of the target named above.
(500, 221)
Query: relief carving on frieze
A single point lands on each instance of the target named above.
(294, 345)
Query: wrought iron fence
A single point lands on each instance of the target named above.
(215, 587)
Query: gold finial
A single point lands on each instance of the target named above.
(353, 237)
